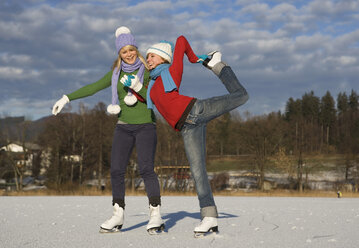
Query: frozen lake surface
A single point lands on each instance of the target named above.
(73, 221)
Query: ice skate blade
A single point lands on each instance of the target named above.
(211, 231)
(116, 229)
(156, 230)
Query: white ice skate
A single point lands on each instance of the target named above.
(114, 224)
(213, 58)
(207, 225)
(155, 224)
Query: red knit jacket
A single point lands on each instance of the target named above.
(172, 104)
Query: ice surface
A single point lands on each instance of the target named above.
(72, 221)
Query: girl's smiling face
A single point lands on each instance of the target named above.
(128, 54)
(153, 60)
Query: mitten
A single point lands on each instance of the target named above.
(60, 104)
(132, 81)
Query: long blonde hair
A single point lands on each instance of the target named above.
(117, 62)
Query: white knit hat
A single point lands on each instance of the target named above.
(163, 49)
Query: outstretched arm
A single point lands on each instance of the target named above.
(182, 47)
(90, 89)
(85, 91)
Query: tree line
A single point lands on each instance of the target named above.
(79, 144)
(310, 125)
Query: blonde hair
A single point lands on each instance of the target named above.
(117, 62)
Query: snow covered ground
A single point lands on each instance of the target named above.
(68, 221)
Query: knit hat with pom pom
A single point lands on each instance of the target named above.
(124, 38)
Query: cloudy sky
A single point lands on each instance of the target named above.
(278, 49)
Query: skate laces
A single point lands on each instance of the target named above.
(205, 220)
(154, 211)
(108, 221)
(202, 222)
(116, 214)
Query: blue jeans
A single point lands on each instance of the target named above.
(194, 134)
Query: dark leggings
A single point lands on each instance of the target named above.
(144, 137)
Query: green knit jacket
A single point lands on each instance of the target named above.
(135, 114)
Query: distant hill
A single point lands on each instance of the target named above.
(11, 128)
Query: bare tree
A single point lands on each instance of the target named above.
(262, 136)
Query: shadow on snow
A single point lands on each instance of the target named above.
(172, 218)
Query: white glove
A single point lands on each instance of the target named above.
(132, 81)
(60, 104)
(113, 109)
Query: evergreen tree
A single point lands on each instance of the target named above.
(353, 101)
(327, 116)
(294, 116)
(310, 140)
(293, 109)
(310, 107)
(342, 103)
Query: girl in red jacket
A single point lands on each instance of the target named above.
(190, 115)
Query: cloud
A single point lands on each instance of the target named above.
(22, 107)
(11, 73)
(278, 49)
(15, 59)
(329, 9)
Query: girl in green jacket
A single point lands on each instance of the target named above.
(135, 127)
